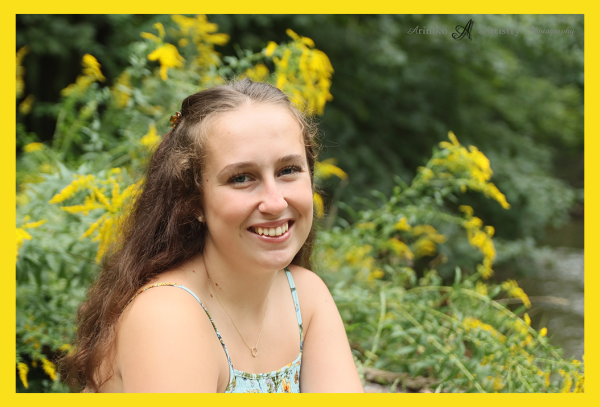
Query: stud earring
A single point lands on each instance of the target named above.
(200, 218)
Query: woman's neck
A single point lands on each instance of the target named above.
(241, 289)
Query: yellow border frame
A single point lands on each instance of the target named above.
(7, 162)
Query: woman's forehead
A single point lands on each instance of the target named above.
(253, 130)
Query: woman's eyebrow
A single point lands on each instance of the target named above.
(237, 166)
(247, 164)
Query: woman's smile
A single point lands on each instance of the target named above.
(272, 232)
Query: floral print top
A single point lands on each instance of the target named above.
(284, 380)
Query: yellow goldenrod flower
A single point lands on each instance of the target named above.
(23, 369)
(271, 47)
(402, 224)
(424, 247)
(481, 288)
(356, 254)
(326, 168)
(70, 190)
(466, 209)
(91, 74)
(203, 34)
(22, 235)
(33, 225)
(151, 139)
(49, 368)
(375, 275)
(31, 147)
(89, 204)
(473, 324)
(258, 73)
(513, 290)
(319, 208)
(426, 173)
(304, 72)
(160, 28)
(25, 105)
(543, 332)
(567, 384)
(21, 70)
(453, 139)
(64, 347)
(151, 37)
(401, 249)
(168, 57)
(527, 319)
(498, 383)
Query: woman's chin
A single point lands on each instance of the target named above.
(275, 260)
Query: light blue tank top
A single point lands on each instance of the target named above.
(284, 380)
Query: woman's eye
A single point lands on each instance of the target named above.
(239, 179)
(290, 170)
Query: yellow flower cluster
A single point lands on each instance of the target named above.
(108, 224)
(359, 257)
(49, 368)
(258, 73)
(401, 249)
(26, 104)
(22, 234)
(472, 163)
(402, 224)
(481, 239)
(91, 74)
(302, 71)
(474, 324)
(21, 70)
(568, 381)
(326, 168)
(23, 370)
(166, 54)
(151, 139)
(319, 207)
(122, 89)
(481, 288)
(426, 244)
(31, 147)
(514, 291)
(203, 35)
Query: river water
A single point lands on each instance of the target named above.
(560, 276)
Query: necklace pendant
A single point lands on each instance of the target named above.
(254, 351)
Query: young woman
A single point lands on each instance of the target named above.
(208, 288)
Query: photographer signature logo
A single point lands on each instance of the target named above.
(461, 31)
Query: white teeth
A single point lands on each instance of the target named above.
(272, 231)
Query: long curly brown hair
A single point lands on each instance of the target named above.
(161, 230)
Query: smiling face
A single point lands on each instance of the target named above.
(257, 187)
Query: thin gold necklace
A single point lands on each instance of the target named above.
(253, 350)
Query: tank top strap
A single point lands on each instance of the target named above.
(296, 305)
(205, 310)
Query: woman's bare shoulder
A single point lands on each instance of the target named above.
(311, 290)
(165, 342)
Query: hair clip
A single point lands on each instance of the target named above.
(175, 119)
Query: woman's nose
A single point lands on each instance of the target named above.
(272, 200)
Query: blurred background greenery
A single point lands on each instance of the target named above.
(518, 98)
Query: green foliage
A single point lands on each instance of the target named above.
(463, 337)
